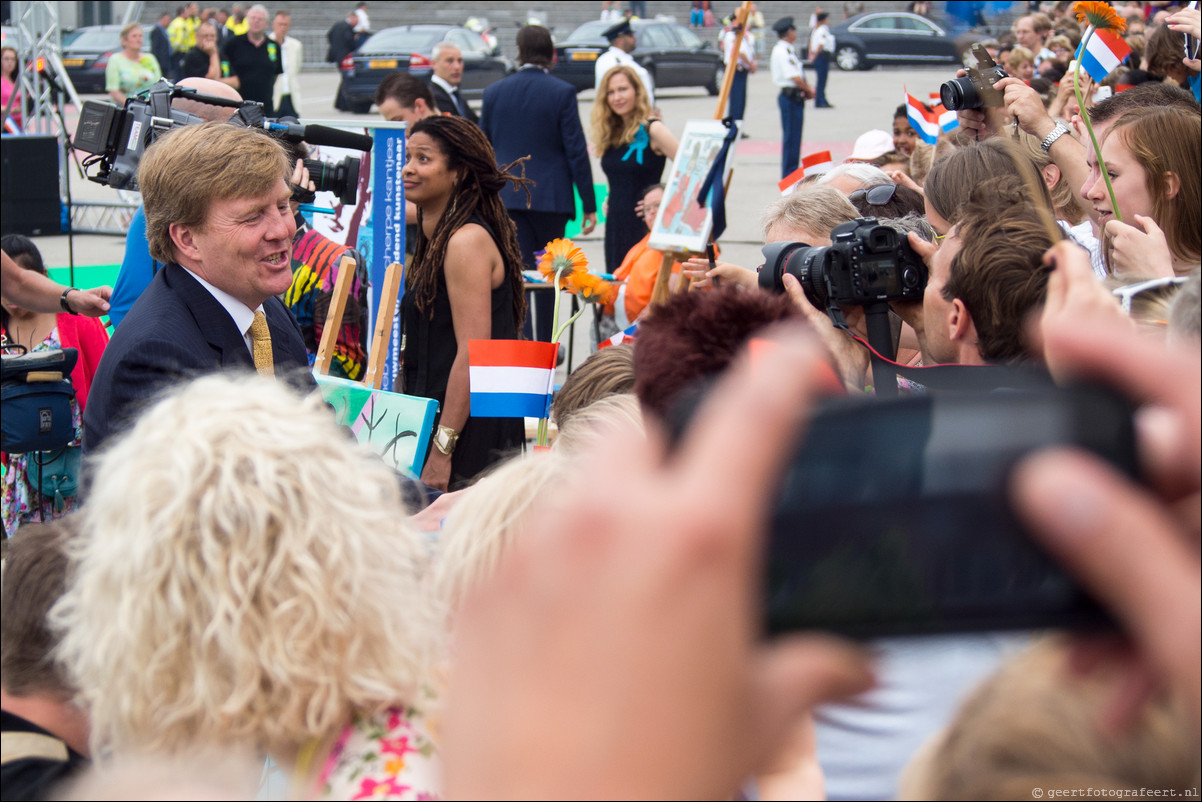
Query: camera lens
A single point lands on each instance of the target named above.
(959, 93)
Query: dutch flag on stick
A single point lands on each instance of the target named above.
(510, 378)
(1103, 53)
(627, 335)
(814, 164)
(924, 121)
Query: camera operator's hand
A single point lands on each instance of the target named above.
(1135, 549)
(1026, 106)
(911, 311)
(851, 358)
(1139, 250)
(1075, 294)
(697, 270)
(617, 652)
(301, 181)
(983, 123)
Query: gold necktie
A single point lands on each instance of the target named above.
(260, 341)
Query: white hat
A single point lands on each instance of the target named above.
(871, 144)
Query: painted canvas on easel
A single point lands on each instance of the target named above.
(396, 426)
(683, 225)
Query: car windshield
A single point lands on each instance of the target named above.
(97, 39)
(589, 32)
(402, 41)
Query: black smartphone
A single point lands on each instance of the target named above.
(894, 518)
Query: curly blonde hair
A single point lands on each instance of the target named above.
(607, 128)
(244, 578)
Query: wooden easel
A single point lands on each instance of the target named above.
(382, 334)
(660, 292)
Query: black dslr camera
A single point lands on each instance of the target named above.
(975, 90)
(865, 263)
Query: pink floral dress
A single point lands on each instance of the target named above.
(389, 755)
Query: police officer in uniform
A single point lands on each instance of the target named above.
(789, 79)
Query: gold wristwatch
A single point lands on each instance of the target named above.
(445, 439)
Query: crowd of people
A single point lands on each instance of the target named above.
(244, 600)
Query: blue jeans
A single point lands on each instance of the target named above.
(822, 66)
(738, 96)
(792, 115)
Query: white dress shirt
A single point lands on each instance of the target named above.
(746, 49)
(240, 313)
(785, 65)
(822, 37)
(453, 91)
(612, 58)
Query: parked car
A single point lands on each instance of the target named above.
(410, 47)
(898, 37)
(86, 56)
(673, 54)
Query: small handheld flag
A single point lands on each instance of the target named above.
(510, 378)
(924, 121)
(1103, 52)
(627, 335)
(814, 164)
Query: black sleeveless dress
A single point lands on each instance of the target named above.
(629, 169)
(429, 348)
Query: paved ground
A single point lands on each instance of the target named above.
(863, 100)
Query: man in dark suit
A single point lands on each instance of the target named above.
(225, 236)
(531, 113)
(160, 45)
(444, 83)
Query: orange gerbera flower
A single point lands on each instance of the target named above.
(561, 254)
(1100, 15)
(592, 288)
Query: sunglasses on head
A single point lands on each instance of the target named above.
(1129, 291)
(876, 196)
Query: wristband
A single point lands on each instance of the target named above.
(62, 301)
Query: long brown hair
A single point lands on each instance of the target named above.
(607, 127)
(478, 192)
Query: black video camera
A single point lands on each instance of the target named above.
(118, 137)
(975, 90)
(865, 263)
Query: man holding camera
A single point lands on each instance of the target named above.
(225, 236)
(986, 277)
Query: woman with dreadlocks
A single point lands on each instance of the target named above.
(464, 283)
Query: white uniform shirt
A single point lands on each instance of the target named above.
(822, 37)
(785, 65)
(612, 58)
(746, 49)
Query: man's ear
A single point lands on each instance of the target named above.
(1172, 184)
(184, 239)
(959, 322)
(1051, 176)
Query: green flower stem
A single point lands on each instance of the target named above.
(1097, 149)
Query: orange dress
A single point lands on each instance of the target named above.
(638, 270)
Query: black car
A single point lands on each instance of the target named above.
(897, 37)
(86, 56)
(674, 55)
(410, 47)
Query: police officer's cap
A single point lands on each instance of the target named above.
(621, 29)
(783, 25)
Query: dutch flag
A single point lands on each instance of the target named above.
(924, 121)
(814, 164)
(627, 335)
(510, 378)
(947, 119)
(1103, 52)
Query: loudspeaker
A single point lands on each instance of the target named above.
(29, 199)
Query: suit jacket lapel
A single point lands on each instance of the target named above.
(211, 318)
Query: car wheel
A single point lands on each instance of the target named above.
(716, 81)
(849, 58)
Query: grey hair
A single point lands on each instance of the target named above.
(867, 175)
(814, 208)
(911, 222)
(440, 47)
(1185, 313)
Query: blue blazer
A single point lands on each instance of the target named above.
(177, 331)
(531, 113)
